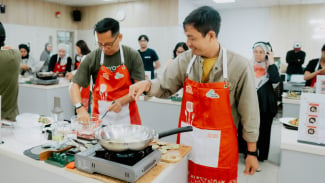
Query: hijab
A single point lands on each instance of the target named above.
(260, 68)
(24, 46)
(65, 58)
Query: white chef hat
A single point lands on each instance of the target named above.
(296, 45)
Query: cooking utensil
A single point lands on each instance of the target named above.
(124, 137)
(106, 111)
(46, 75)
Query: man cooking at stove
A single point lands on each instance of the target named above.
(113, 67)
(219, 91)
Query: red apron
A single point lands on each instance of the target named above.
(206, 106)
(85, 93)
(77, 64)
(314, 79)
(58, 68)
(110, 86)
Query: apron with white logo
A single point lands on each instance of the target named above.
(110, 86)
(206, 107)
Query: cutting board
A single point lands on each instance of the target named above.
(148, 177)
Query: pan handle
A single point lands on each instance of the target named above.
(175, 131)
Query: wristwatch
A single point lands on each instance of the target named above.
(253, 153)
(78, 105)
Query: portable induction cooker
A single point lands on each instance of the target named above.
(127, 165)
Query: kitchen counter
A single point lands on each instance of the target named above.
(291, 106)
(300, 162)
(39, 99)
(160, 114)
(16, 167)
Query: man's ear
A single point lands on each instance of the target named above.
(211, 34)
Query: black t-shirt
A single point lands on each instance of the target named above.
(311, 67)
(149, 57)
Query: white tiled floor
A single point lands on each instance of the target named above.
(270, 168)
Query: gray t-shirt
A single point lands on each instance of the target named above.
(91, 65)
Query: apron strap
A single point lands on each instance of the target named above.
(316, 68)
(224, 65)
(190, 65)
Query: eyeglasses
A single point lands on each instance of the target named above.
(100, 45)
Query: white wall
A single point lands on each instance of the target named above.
(36, 36)
(241, 28)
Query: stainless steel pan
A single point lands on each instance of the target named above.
(131, 137)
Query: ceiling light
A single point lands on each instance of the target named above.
(224, 1)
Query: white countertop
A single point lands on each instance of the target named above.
(62, 83)
(289, 142)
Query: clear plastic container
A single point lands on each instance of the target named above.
(83, 129)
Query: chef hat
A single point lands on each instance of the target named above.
(296, 45)
(2, 35)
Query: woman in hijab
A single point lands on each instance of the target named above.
(60, 63)
(28, 65)
(266, 74)
(46, 56)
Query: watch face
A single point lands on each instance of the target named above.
(78, 105)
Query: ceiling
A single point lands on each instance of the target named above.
(237, 4)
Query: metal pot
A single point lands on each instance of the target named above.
(124, 137)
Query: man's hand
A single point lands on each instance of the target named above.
(82, 114)
(116, 106)
(69, 76)
(251, 165)
(138, 88)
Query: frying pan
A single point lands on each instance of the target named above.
(122, 137)
(46, 75)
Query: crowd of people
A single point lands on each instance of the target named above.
(113, 76)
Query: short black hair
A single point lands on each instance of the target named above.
(204, 19)
(107, 24)
(179, 44)
(143, 36)
(83, 47)
(323, 48)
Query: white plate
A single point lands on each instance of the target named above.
(286, 121)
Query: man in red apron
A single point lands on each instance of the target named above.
(113, 68)
(213, 100)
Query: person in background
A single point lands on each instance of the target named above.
(149, 56)
(28, 65)
(82, 50)
(113, 67)
(295, 58)
(218, 86)
(266, 74)
(60, 63)
(315, 67)
(9, 69)
(179, 48)
(46, 56)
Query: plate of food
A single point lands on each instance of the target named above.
(290, 123)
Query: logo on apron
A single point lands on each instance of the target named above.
(212, 94)
(189, 90)
(105, 75)
(118, 75)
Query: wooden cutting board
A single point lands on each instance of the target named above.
(148, 177)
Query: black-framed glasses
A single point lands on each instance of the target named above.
(100, 45)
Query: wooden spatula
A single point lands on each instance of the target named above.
(48, 153)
